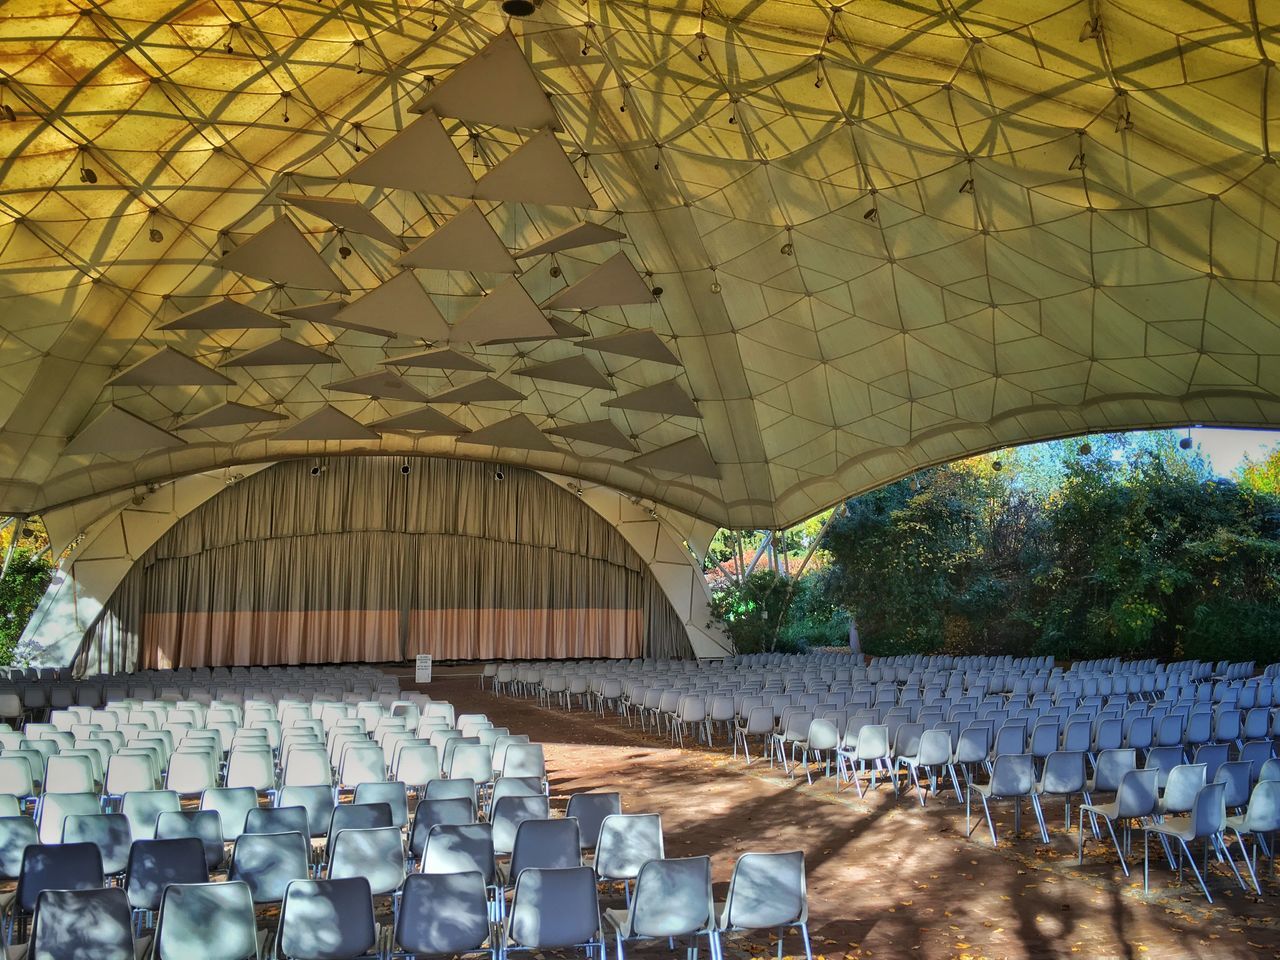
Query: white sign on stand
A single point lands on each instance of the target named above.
(422, 668)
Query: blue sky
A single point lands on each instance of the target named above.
(1226, 448)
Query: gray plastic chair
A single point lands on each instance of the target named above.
(16, 834)
(453, 811)
(355, 816)
(278, 820)
(1136, 799)
(316, 800)
(758, 723)
(459, 848)
(1062, 776)
(189, 912)
(508, 813)
(590, 809)
(232, 805)
(376, 853)
(1207, 823)
(672, 899)
(154, 864)
(932, 756)
(1262, 817)
(109, 832)
(393, 793)
(821, 742)
(327, 920)
(872, 748)
(1181, 787)
(462, 789)
(268, 862)
(54, 808)
(552, 910)
(767, 892)
(549, 844)
(1013, 777)
(142, 807)
(627, 842)
(203, 825)
(63, 866)
(444, 914)
(90, 924)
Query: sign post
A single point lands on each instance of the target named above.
(422, 668)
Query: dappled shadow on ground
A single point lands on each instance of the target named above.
(888, 878)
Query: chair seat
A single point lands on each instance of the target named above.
(1237, 823)
(1181, 828)
(1108, 810)
(617, 918)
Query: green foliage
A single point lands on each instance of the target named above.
(20, 590)
(750, 613)
(1128, 548)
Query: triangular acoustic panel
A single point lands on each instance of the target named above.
(517, 432)
(398, 305)
(537, 172)
(603, 433)
(168, 368)
(496, 87)
(642, 344)
(421, 158)
(118, 431)
(282, 353)
(666, 397)
(327, 423)
(576, 370)
(346, 213)
(688, 456)
(443, 358)
(563, 330)
(508, 312)
(422, 420)
(578, 235)
(464, 242)
(614, 283)
(229, 415)
(224, 314)
(329, 312)
(486, 389)
(281, 254)
(382, 384)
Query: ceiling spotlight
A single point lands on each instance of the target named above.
(997, 466)
(1185, 443)
(872, 215)
(715, 286)
(787, 249)
(499, 475)
(656, 291)
(7, 114)
(344, 251)
(555, 271)
(155, 235)
(87, 175)
(405, 468)
(518, 8)
(1086, 448)
(317, 470)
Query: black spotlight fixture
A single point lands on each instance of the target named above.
(405, 468)
(1185, 443)
(499, 475)
(1086, 448)
(316, 471)
(518, 8)
(997, 466)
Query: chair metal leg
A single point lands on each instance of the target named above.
(991, 823)
(1244, 852)
(1199, 878)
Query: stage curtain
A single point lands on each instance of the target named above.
(365, 563)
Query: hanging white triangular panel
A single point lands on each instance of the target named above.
(118, 431)
(563, 330)
(464, 242)
(642, 344)
(421, 158)
(507, 312)
(346, 213)
(229, 415)
(578, 235)
(576, 370)
(688, 456)
(422, 420)
(382, 384)
(612, 284)
(666, 398)
(224, 314)
(443, 358)
(328, 312)
(517, 431)
(537, 172)
(603, 433)
(486, 389)
(399, 305)
(281, 353)
(169, 368)
(496, 87)
(327, 423)
(280, 253)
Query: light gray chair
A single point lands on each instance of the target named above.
(1136, 799)
(554, 910)
(1062, 776)
(1207, 823)
(590, 810)
(627, 842)
(327, 920)
(61, 931)
(269, 862)
(1013, 777)
(1261, 818)
(767, 892)
(188, 912)
(672, 900)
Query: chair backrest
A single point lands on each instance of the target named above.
(1263, 815)
(766, 890)
(507, 815)
(590, 809)
(554, 908)
(16, 834)
(154, 864)
(190, 911)
(204, 825)
(1137, 794)
(109, 832)
(357, 816)
(1013, 775)
(443, 913)
(546, 843)
(391, 792)
(1235, 777)
(672, 898)
(1111, 766)
(232, 805)
(1209, 813)
(524, 760)
(82, 923)
(452, 790)
(376, 854)
(1063, 773)
(627, 841)
(1182, 787)
(268, 862)
(278, 820)
(56, 807)
(453, 811)
(63, 866)
(317, 800)
(329, 919)
(457, 848)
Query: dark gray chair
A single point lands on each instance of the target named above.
(90, 924)
(767, 892)
(444, 914)
(191, 913)
(554, 910)
(268, 862)
(672, 900)
(327, 920)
